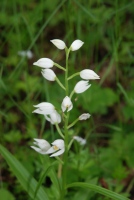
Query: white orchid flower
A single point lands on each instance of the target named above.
(81, 86)
(76, 45)
(44, 108)
(80, 140)
(84, 116)
(59, 44)
(43, 147)
(27, 54)
(53, 118)
(58, 146)
(88, 74)
(66, 104)
(44, 63)
(48, 74)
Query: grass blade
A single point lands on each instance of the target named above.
(24, 177)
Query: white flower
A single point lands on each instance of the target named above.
(76, 45)
(88, 74)
(43, 147)
(66, 104)
(27, 54)
(44, 63)
(48, 74)
(81, 86)
(84, 116)
(59, 43)
(58, 147)
(53, 118)
(80, 140)
(44, 108)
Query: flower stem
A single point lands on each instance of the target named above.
(65, 157)
(59, 131)
(59, 66)
(72, 76)
(58, 81)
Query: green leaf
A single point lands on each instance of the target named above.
(98, 189)
(43, 177)
(24, 177)
(6, 195)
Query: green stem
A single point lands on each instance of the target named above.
(58, 81)
(59, 131)
(72, 76)
(73, 123)
(59, 66)
(65, 157)
(72, 93)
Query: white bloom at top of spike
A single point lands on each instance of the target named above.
(80, 140)
(58, 146)
(44, 108)
(84, 116)
(44, 63)
(53, 118)
(59, 44)
(43, 147)
(76, 45)
(48, 74)
(66, 104)
(81, 86)
(88, 74)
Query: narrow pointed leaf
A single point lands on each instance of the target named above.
(28, 183)
(99, 189)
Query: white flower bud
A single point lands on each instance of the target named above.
(44, 63)
(48, 74)
(81, 86)
(88, 74)
(66, 104)
(76, 45)
(44, 108)
(59, 43)
(80, 140)
(84, 116)
(54, 118)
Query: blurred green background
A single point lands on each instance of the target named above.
(107, 30)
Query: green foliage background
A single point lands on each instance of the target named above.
(106, 27)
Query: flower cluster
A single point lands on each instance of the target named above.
(49, 110)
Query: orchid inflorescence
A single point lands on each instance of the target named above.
(49, 110)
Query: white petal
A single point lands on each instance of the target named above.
(59, 143)
(54, 118)
(44, 63)
(58, 153)
(76, 45)
(38, 150)
(66, 104)
(48, 74)
(43, 144)
(44, 108)
(80, 140)
(88, 74)
(51, 150)
(59, 43)
(81, 86)
(84, 116)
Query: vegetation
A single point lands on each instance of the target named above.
(106, 28)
